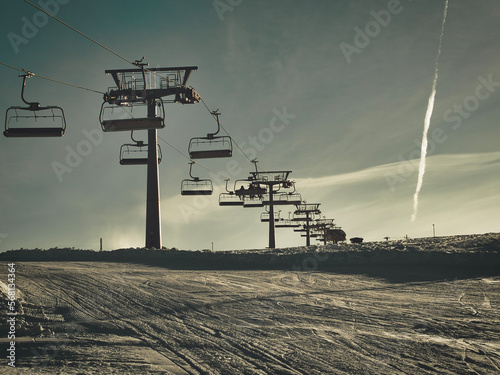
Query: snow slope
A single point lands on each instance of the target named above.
(91, 317)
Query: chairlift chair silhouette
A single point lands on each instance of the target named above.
(303, 208)
(131, 94)
(286, 223)
(136, 153)
(125, 120)
(211, 146)
(252, 202)
(302, 217)
(229, 198)
(25, 117)
(195, 185)
(265, 217)
(283, 199)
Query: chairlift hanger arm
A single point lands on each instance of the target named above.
(191, 171)
(227, 189)
(33, 105)
(216, 114)
(137, 143)
(141, 65)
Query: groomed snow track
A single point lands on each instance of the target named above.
(121, 318)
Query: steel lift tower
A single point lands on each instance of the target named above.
(136, 103)
(273, 181)
(305, 212)
(321, 227)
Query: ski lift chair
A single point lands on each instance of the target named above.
(254, 190)
(252, 202)
(229, 198)
(109, 122)
(136, 153)
(19, 121)
(195, 185)
(265, 217)
(283, 199)
(211, 146)
(286, 223)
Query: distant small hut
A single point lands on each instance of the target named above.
(356, 240)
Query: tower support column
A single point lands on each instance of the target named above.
(153, 221)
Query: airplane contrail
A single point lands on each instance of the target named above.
(427, 121)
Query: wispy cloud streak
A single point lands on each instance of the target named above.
(427, 122)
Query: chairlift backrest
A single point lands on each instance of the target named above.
(230, 199)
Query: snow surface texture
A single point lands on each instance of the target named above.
(125, 318)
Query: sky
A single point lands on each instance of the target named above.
(335, 91)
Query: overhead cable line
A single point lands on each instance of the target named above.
(89, 38)
(125, 59)
(236, 143)
(79, 32)
(175, 148)
(51, 79)
(191, 160)
(179, 151)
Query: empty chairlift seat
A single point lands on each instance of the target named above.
(230, 199)
(34, 120)
(136, 154)
(252, 202)
(265, 217)
(118, 125)
(196, 185)
(210, 147)
(286, 223)
(283, 199)
(127, 116)
(49, 121)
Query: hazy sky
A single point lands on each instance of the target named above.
(352, 77)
